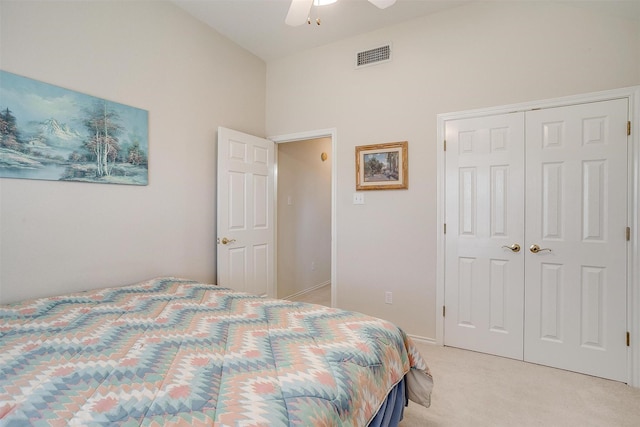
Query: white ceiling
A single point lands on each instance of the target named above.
(258, 25)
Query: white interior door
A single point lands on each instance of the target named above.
(564, 304)
(484, 284)
(576, 162)
(245, 213)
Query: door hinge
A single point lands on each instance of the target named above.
(628, 339)
(445, 229)
(444, 310)
(445, 145)
(629, 128)
(628, 233)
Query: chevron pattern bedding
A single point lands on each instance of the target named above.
(176, 352)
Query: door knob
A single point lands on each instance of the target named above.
(515, 247)
(535, 249)
(226, 241)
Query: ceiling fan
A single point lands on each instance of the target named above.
(299, 10)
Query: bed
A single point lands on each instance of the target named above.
(171, 351)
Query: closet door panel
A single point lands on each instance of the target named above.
(576, 211)
(484, 288)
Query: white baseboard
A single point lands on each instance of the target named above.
(423, 340)
(306, 291)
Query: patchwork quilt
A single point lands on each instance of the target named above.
(172, 351)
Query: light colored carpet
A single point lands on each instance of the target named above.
(475, 389)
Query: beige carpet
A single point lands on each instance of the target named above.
(474, 389)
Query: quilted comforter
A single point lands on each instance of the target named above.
(173, 351)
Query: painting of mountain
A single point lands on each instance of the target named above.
(51, 133)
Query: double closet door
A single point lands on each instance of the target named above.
(536, 236)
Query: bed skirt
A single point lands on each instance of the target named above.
(392, 409)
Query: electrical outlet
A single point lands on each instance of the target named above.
(313, 266)
(388, 297)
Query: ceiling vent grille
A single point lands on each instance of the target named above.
(373, 56)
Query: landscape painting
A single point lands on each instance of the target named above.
(51, 133)
(382, 166)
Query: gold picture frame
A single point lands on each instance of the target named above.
(382, 166)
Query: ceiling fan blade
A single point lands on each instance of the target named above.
(298, 12)
(382, 4)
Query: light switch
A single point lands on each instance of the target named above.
(358, 198)
(289, 200)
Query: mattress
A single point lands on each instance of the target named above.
(172, 352)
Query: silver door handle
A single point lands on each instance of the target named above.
(535, 249)
(515, 247)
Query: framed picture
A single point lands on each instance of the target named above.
(382, 166)
(52, 133)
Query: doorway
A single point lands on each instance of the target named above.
(305, 213)
(303, 217)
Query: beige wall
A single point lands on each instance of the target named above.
(304, 216)
(475, 56)
(58, 237)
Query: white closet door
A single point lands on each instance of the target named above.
(576, 206)
(484, 291)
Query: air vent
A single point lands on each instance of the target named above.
(373, 56)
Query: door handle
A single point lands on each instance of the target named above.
(535, 249)
(226, 241)
(515, 247)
